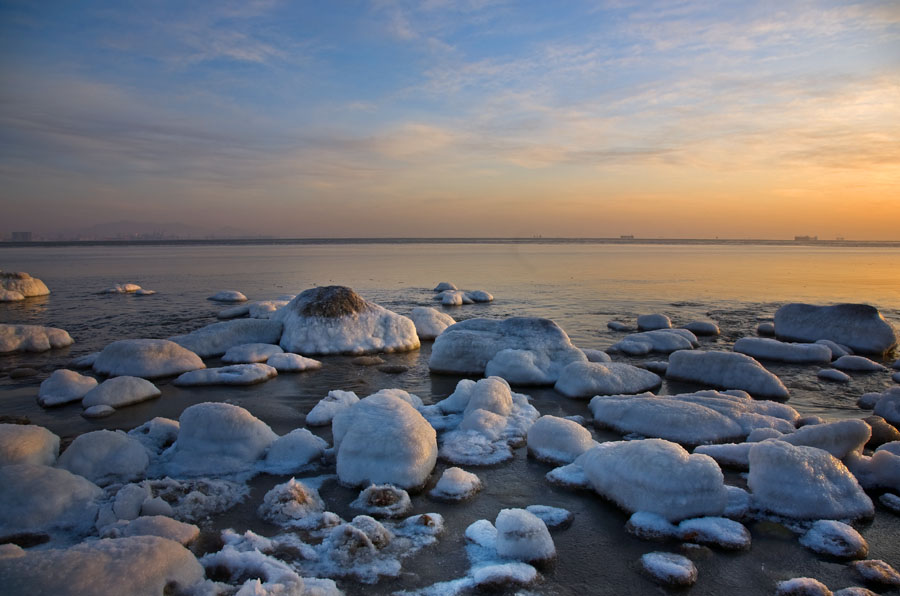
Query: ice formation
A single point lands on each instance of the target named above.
(32, 338)
(453, 298)
(64, 386)
(725, 370)
(660, 340)
(233, 374)
(264, 309)
(456, 484)
(523, 536)
(383, 500)
(215, 339)
(22, 283)
(772, 349)
(41, 498)
(147, 358)
(857, 363)
(105, 456)
(430, 322)
(857, 326)
(294, 452)
(292, 503)
(250, 353)
(519, 349)
(337, 320)
(836, 539)
(669, 569)
(587, 379)
(620, 326)
(27, 444)
(324, 411)
(558, 440)
(228, 296)
(119, 392)
(290, 363)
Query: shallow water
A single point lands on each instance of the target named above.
(581, 286)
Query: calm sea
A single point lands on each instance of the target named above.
(580, 285)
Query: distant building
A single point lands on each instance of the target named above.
(626, 237)
(805, 238)
(21, 236)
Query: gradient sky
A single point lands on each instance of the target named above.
(440, 118)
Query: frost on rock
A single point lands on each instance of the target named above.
(215, 339)
(725, 370)
(587, 379)
(877, 572)
(290, 363)
(233, 374)
(772, 349)
(658, 477)
(801, 586)
(383, 439)
(660, 340)
(295, 452)
(294, 504)
(27, 444)
(523, 536)
(836, 539)
(250, 353)
(430, 322)
(455, 484)
(857, 326)
(39, 498)
(32, 338)
(64, 386)
(22, 283)
(104, 567)
(653, 322)
(383, 500)
(558, 440)
(669, 569)
(147, 358)
(519, 349)
(804, 483)
(105, 456)
(858, 364)
(228, 296)
(324, 411)
(715, 531)
(119, 392)
(337, 320)
(217, 439)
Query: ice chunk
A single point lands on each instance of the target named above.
(233, 374)
(228, 296)
(716, 531)
(294, 452)
(660, 340)
(836, 539)
(523, 536)
(105, 456)
(857, 363)
(383, 500)
(119, 392)
(215, 339)
(292, 503)
(656, 476)
(42, 498)
(669, 569)
(22, 283)
(857, 326)
(289, 363)
(586, 379)
(250, 353)
(558, 440)
(772, 349)
(148, 358)
(336, 320)
(455, 485)
(64, 386)
(653, 322)
(32, 338)
(324, 411)
(27, 444)
(430, 322)
(726, 370)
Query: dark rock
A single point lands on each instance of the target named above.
(330, 302)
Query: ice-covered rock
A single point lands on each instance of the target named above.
(877, 572)
(292, 503)
(453, 298)
(857, 363)
(669, 569)
(294, 452)
(619, 326)
(801, 586)
(383, 439)
(216, 439)
(444, 286)
(32, 338)
(291, 363)
(22, 283)
(882, 432)
(772, 349)
(264, 309)
(553, 517)
(215, 339)
(11, 296)
(836, 539)
(881, 470)
(228, 296)
(868, 400)
(857, 326)
(250, 353)
(126, 288)
(455, 484)
(837, 350)
(162, 526)
(653, 322)
(831, 374)
(383, 500)
(558, 440)
(706, 328)
(129, 501)
(804, 483)
(328, 407)
(888, 407)
(64, 386)
(656, 476)
(479, 296)
(27, 444)
(233, 374)
(715, 531)
(430, 322)
(731, 455)
(105, 456)
(596, 355)
(837, 438)
(337, 320)
(650, 526)
(659, 340)
(39, 498)
(143, 564)
(523, 536)
(157, 434)
(519, 349)
(233, 312)
(766, 329)
(147, 358)
(587, 379)
(499, 576)
(100, 411)
(119, 392)
(725, 370)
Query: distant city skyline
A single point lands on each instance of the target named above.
(477, 118)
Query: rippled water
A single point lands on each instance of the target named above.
(581, 286)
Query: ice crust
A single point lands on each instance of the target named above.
(725, 370)
(64, 386)
(857, 326)
(146, 358)
(587, 379)
(32, 338)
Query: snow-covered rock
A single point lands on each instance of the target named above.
(619, 326)
(839, 438)
(455, 484)
(383, 500)
(147, 358)
(27, 444)
(831, 374)
(250, 353)
(857, 326)
(228, 296)
(836, 539)
(22, 283)
(42, 498)
(659, 340)
(725, 370)
(596, 355)
(32, 338)
(558, 440)
(64, 386)
(857, 363)
(706, 328)
(233, 312)
(324, 411)
(801, 586)
(100, 411)
(11, 296)
(292, 503)
(105, 456)
(294, 452)
(653, 322)
(444, 286)
(837, 350)
(650, 526)
(877, 572)
(119, 392)
(430, 322)
(233, 374)
(888, 407)
(804, 483)
(656, 476)
(521, 350)
(479, 296)
(772, 349)
(162, 526)
(766, 329)
(337, 320)
(523, 536)
(715, 531)
(264, 309)
(383, 439)
(215, 339)
(291, 363)
(553, 517)
(587, 379)
(669, 569)
(123, 288)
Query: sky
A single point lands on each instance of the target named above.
(435, 118)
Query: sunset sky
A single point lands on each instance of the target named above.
(439, 118)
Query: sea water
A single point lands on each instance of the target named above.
(580, 285)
